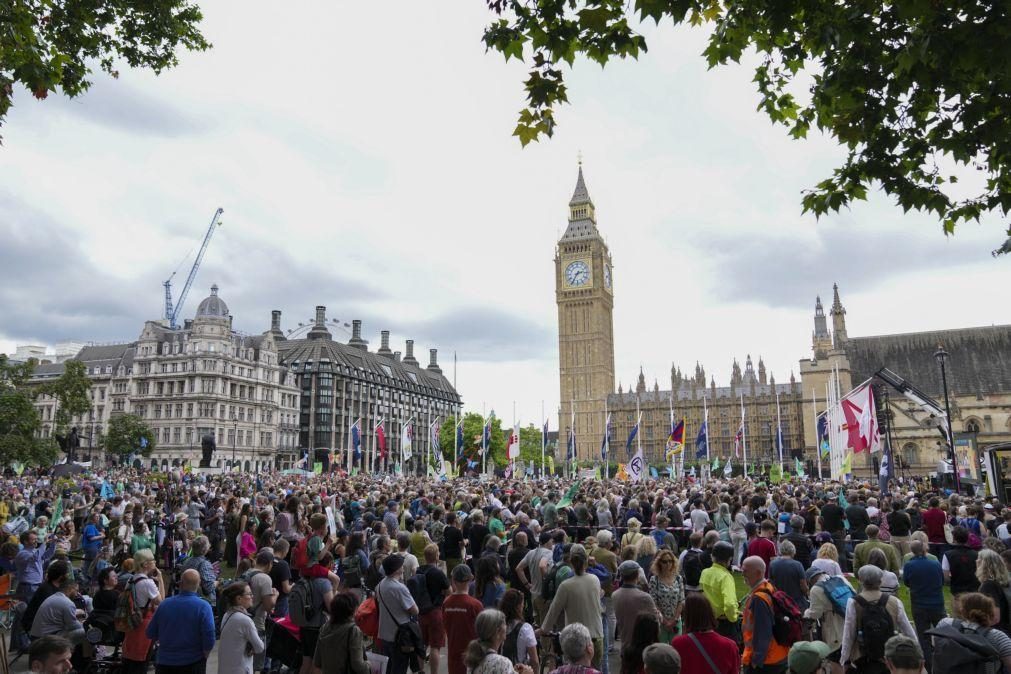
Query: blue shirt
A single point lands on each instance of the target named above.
(184, 628)
(925, 580)
(91, 531)
(29, 563)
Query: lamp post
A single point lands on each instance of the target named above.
(235, 432)
(941, 355)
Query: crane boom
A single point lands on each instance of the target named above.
(215, 223)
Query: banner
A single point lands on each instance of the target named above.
(637, 466)
(318, 467)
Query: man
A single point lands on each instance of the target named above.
(925, 580)
(863, 551)
(934, 520)
(578, 599)
(91, 542)
(867, 653)
(762, 653)
(280, 577)
(690, 562)
(57, 572)
(29, 562)
(629, 601)
(199, 562)
(959, 563)
(577, 649)
(801, 542)
(603, 555)
(807, 657)
(411, 563)
(396, 606)
(699, 516)
(50, 655)
(390, 520)
(460, 612)
(264, 597)
(903, 655)
(823, 610)
(431, 580)
(718, 585)
(856, 515)
(832, 520)
(183, 626)
(787, 574)
(59, 616)
(549, 513)
(763, 546)
(900, 524)
(452, 544)
(661, 659)
(536, 563)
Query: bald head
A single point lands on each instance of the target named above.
(190, 580)
(754, 570)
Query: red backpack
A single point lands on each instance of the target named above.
(787, 618)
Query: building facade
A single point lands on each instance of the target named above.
(341, 383)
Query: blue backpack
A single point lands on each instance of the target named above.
(839, 592)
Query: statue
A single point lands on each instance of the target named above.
(73, 444)
(207, 446)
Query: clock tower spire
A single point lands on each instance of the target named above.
(584, 295)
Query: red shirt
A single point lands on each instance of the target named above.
(459, 613)
(722, 650)
(764, 548)
(933, 522)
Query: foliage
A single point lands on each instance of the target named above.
(907, 88)
(530, 447)
(124, 434)
(72, 392)
(472, 425)
(47, 45)
(20, 426)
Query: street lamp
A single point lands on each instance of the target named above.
(235, 432)
(941, 355)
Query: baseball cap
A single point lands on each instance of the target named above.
(661, 658)
(628, 568)
(462, 574)
(902, 648)
(813, 573)
(806, 656)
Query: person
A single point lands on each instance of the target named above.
(925, 580)
(604, 556)
(889, 581)
(629, 600)
(396, 606)
(340, 647)
(857, 518)
(56, 572)
(280, 576)
(699, 516)
(320, 594)
(801, 543)
(903, 655)
(807, 657)
(482, 653)
(690, 562)
(828, 560)
(91, 543)
(436, 584)
(411, 562)
(452, 542)
(107, 596)
(645, 551)
(645, 631)
(867, 653)
(148, 591)
(240, 640)
(934, 520)
(264, 597)
(578, 599)
(899, 526)
(975, 613)
(763, 547)
(661, 659)
(577, 650)
(50, 655)
(667, 589)
(520, 643)
(992, 573)
(183, 626)
(460, 612)
(959, 563)
(198, 560)
(762, 653)
(701, 643)
(488, 586)
(833, 521)
(719, 589)
(58, 615)
(30, 562)
(141, 539)
(862, 551)
(787, 574)
(822, 610)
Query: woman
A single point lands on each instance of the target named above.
(974, 611)
(633, 535)
(822, 612)
(667, 589)
(107, 596)
(239, 640)
(992, 573)
(148, 591)
(141, 540)
(488, 584)
(340, 648)
(701, 640)
(481, 656)
(738, 531)
(232, 530)
(604, 520)
(723, 521)
(645, 551)
(828, 560)
(520, 644)
(247, 543)
(645, 632)
(889, 581)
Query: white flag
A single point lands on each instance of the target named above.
(637, 466)
(514, 442)
(407, 441)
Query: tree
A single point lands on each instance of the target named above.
(472, 425)
(127, 434)
(48, 46)
(530, 446)
(72, 392)
(20, 426)
(909, 88)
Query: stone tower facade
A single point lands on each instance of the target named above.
(585, 297)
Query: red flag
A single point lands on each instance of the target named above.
(381, 436)
(861, 420)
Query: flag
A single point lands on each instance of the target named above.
(459, 440)
(407, 441)
(716, 464)
(514, 443)
(847, 465)
(739, 440)
(691, 473)
(486, 432)
(107, 492)
(508, 473)
(823, 443)
(701, 444)
(566, 500)
(434, 431)
(885, 465)
(622, 474)
(544, 434)
(675, 440)
(637, 466)
(798, 468)
(653, 473)
(356, 438)
(727, 468)
(779, 440)
(551, 465)
(861, 420)
(381, 437)
(631, 436)
(57, 515)
(605, 444)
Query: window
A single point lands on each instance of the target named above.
(176, 435)
(972, 426)
(909, 453)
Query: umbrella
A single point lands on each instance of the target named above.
(64, 469)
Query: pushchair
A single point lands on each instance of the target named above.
(100, 631)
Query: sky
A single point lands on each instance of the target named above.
(364, 161)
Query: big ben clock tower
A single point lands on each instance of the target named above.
(584, 294)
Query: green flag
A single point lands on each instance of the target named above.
(716, 464)
(775, 473)
(569, 495)
(57, 515)
(798, 468)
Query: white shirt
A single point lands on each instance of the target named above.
(850, 626)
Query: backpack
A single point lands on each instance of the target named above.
(839, 592)
(549, 584)
(352, 568)
(418, 585)
(659, 537)
(960, 651)
(691, 568)
(874, 627)
(128, 615)
(510, 648)
(787, 619)
(372, 576)
(367, 618)
(303, 608)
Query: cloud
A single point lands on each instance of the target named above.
(486, 334)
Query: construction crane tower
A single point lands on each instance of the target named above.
(172, 314)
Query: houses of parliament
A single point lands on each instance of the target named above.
(978, 367)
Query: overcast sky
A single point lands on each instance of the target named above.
(364, 160)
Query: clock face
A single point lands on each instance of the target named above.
(577, 273)
(607, 276)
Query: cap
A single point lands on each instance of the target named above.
(988, 506)
(392, 564)
(462, 574)
(813, 573)
(806, 656)
(628, 568)
(901, 647)
(661, 658)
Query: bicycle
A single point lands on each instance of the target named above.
(549, 651)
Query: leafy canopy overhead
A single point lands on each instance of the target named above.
(907, 86)
(127, 434)
(47, 45)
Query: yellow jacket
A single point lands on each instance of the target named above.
(717, 584)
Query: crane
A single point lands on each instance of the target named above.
(172, 314)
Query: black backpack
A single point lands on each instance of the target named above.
(691, 568)
(510, 648)
(304, 608)
(418, 585)
(874, 627)
(958, 650)
(549, 585)
(352, 568)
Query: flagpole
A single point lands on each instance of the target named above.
(670, 404)
(456, 458)
(512, 461)
(705, 420)
(484, 448)
(817, 439)
(544, 437)
(350, 449)
(779, 433)
(638, 438)
(428, 442)
(572, 431)
(744, 437)
(607, 443)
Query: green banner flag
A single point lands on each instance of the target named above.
(318, 467)
(798, 468)
(569, 495)
(775, 473)
(57, 515)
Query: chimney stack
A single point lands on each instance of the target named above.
(409, 358)
(275, 319)
(356, 336)
(319, 330)
(320, 314)
(396, 356)
(384, 348)
(433, 361)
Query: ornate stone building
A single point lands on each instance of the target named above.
(978, 371)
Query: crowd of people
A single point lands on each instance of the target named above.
(335, 573)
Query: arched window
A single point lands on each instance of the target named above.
(972, 426)
(909, 453)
